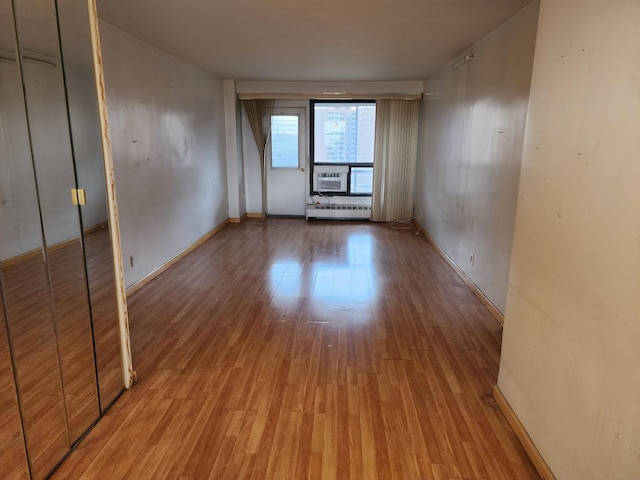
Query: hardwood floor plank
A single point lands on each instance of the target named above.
(308, 350)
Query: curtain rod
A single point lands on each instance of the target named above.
(341, 96)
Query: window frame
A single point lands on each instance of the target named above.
(351, 165)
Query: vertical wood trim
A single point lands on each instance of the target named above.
(497, 314)
(537, 460)
(128, 374)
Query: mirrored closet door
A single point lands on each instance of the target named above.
(59, 336)
(86, 143)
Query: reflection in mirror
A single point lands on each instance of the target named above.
(55, 177)
(25, 285)
(13, 457)
(75, 40)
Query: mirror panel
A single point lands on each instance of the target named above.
(13, 456)
(77, 56)
(25, 283)
(56, 263)
(43, 79)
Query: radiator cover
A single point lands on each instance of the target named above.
(338, 211)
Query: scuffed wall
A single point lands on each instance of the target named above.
(471, 140)
(570, 365)
(167, 127)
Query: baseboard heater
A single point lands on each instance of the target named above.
(339, 211)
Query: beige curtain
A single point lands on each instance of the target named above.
(259, 114)
(394, 164)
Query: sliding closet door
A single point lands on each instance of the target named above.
(25, 281)
(57, 366)
(77, 57)
(43, 77)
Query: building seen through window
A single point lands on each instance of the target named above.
(344, 134)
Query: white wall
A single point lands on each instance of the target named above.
(20, 230)
(52, 153)
(86, 142)
(167, 128)
(570, 365)
(468, 169)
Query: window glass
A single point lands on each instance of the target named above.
(362, 180)
(284, 141)
(344, 132)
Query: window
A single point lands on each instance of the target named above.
(284, 141)
(362, 180)
(344, 134)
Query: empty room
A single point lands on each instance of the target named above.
(320, 240)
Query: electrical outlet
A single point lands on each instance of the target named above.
(472, 258)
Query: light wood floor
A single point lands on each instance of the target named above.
(292, 350)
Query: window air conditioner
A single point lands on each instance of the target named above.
(330, 179)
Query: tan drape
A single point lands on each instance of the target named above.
(259, 115)
(394, 164)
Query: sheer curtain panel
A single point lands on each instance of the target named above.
(259, 115)
(395, 154)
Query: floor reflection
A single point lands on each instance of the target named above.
(343, 284)
(75, 342)
(284, 279)
(12, 453)
(33, 342)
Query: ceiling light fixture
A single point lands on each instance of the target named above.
(26, 58)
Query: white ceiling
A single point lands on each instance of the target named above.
(312, 40)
